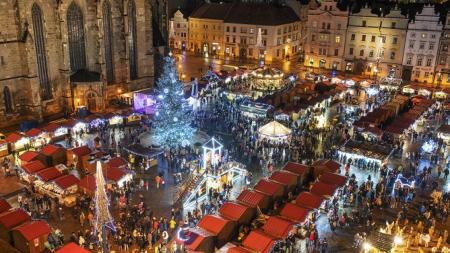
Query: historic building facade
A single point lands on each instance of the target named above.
(245, 30)
(58, 55)
(442, 78)
(421, 48)
(325, 40)
(374, 45)
(178, 31)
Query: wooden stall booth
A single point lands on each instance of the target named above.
(87, 185)
(53, 155)
(198, 240)
(66, 189)
(271, 188)
(324, 190)
(78, 157)
(259, 241)
(38, 138)
(333, 179)
(28, 170)
(27, 157)
(289, 179)
(278, 227)
(237, 212)
(254, 199)
(222, 229)
(300, 170)
(17, 142)
(294, 213)
(231, 248)
(31, 237)
(9, 220)
(309, 200)
(322, 166)
(72, 248)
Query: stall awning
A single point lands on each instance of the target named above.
(275, 130)
(308, 200)
(323, 189)
(67, 181)
(4, 206)
(213, 223)
(50, 149)
(269, 188)
(72, 248)
(285, 177)
(28, 156)
(33, 132)
(13, 137)
(34, 229)
(116, 162)
(48, 174)
(251, 198)
(88, 183)
(259, 241)
(294, 213)
(33, 167)
(296, 168)
(277, 227)
(332, 178)
(14, 218)
(81, 151)
(233, 211)
(52, 127)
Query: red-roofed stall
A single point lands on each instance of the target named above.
(87, 185)
(254, 199)
(199, 240)
(299, 169)
(9, 220)
(63, 187)
(56, 131)
(117, 162)
(78, 157)
(72, 248)
(117, 176)
(31, 237)
(4, 206)
(53, 155)
(323, 166)
(28, 170)
(48, 174)
(270, 188)
(309, 200)
(333, 178)
(260, 242)
(231, 248)
(323, 189)
(221, 228)
(28, 156)
(289, 179)
(278, 227)
(17, 141)
(38, 138)
(237, 212)
(295, 213)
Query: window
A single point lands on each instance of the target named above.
(392, 55)
(328, 26)
(323, 25)
(433, 36)
(132, 61)
(394, 40)
(371, 53)
(419, 61)
(252, 30)
(243, 30)
(361, 52)
(338, 39)
(372, 39)
(443, 60)
(424, 35)
(311, 50)
(339, 26)
(431, 46)
(409, 60)
(393, 24)
(7, 100)
(411, 43)
(228, 29)
(314, 24)
(279, 31)
(108, 42)
(363, 37)
(352, 37)
(350, 52)
(413, 35)
(383, 39)
(448, 78)
(234, 29)
(228, 39)
(250, 51)
(429, 62)
(234, 39)
(41, 57)
(290, 29)
(417, 74)
(313, 37)
(75, 29)
(427, 75)
(285, 29)
(445, 47)
(324, 51)
(278, 41)
(364, 23)
(320, 51)
(278, 52)
(336, 51)
(422, 45)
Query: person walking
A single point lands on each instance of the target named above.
(82, 218)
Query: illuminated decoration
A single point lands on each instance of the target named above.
(61, 131)
(103, 219)
(172, 123)
(402, 181)
(97, 122)
(212, 153)
(349, 83)
(274, 131)
(372, 91)
(116, 120)
(144, 101)
(408, 90)
(268, 79)
(429, 146)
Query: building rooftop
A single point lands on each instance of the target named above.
(246, 13)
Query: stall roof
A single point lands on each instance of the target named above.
(72, 248)
(294, 213)
(48, 174)
(259, 241)
(117, 162)
(66, 181)
(28, 156)
(251, 198)
(232, 211)
(323, 189)
(14, 218)
(88, 182)
(113, 173)
(296, 168)
(13, 137)
(332, 178)
(285, 177)
(199, 235)
(34, 229)
(308, 200)
(50, 149)
(52, 127)
(269, 187)
(277, 227)
(330, 164)
(4, 206)
(33, 167)
(33, 132)
(213, 223)
(81, 151)
(231, 248)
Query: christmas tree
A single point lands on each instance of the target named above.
(103, 219)
(172, 124)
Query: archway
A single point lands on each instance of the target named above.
(91, 101)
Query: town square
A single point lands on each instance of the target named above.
(279, 126)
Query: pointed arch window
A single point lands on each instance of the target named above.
(108, 40)
(41, 58)
(75, 28)
(7, 100)
(132, 61)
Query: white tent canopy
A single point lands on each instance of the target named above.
(274, 131)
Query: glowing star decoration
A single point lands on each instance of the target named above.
(103, 218)
(172, 123)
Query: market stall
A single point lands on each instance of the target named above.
(4, 151)
(333, 179)
(27, 171)
(87, 185)
(71, 247)
(144, 101)
(117, 176)
(9, 220)
(255, 110)
(295, 213)
(289, 179)
(17, 142)
(31, 237)
(65, 189)
(48, 174)
(222, 229)
(443, 132)
(321, 166)
(259, 241)
(309, 200)
(390, 83)
(53, 155)
(37, 137)
(28, 156)
(278, 227)
(4, 206)
(56, 131)
(324, 190)
(298, 169)
(231, 248)
(78, 157)
(237, 212)
(270, 188)
(115, 119)
(275, 131)
(254, 199)
(364, 154)
(197, 240)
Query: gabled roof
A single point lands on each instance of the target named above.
(50, 149)
(52, 127)
(33, 132)
(81, 151)
(4, 206)
(88, 183)
(294, 213)
(48, 174)
(323, 189)
(72, 248)
(232, 211)
(34, 229)
(117, 162)
(285, 177)
(33, 167)
(332, 178)
(251, 198)
(213, 223)
(66, 181)
(113, 173)
(13, 218)
(259, 241)
(308, 200)
(13, 137)
(28, 156)
(269, 188)
(330, 164)
(197, 235)
(296, 168)
(277, 227)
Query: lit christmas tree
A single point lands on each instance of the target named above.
(103, 219)
(172, 124)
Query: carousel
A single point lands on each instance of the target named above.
(267, 79)
(275, 132)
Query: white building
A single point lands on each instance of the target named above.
(421, 47)
(178, 31)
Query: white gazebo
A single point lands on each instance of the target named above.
(274, 131)
(212, 152)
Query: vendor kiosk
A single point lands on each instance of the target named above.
(31, 237)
